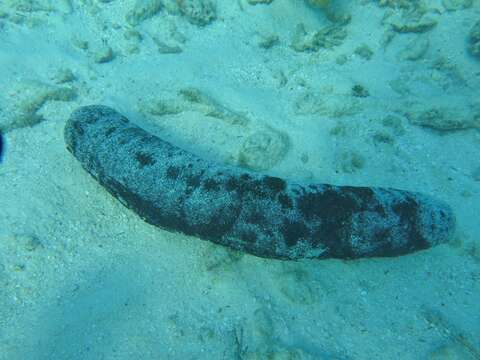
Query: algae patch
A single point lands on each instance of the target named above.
(28, 99)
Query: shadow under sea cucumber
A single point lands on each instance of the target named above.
(259, 214)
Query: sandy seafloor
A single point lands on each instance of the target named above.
(389, 101)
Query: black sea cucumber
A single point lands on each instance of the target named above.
(259, 214)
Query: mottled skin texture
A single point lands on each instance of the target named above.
(259, 214)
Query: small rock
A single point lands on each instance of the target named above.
(364, 52)
(476, 174)
(103, 54)
(32, 243)
(268, 41)
(263, 150)
(319, 3)
(451, 351)
(414, 26)
(359, 91)
(474, 40)
(143, 10)
(454, 5)
(255, 2)
(416, 49)
(198, 12)
(165, 48)
(383, 138)
(445, 118)
(350, 162)
(328, 37)
(63, 76)
(394, 123)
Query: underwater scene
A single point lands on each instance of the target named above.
(240, 179)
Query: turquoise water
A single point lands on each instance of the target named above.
(361, 93)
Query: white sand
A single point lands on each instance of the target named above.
(81, 277)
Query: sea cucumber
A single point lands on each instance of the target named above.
(251, 212)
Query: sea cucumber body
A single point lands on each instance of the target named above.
(259, 214)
